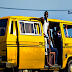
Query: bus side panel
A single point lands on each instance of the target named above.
(65, 50)
(67, 45)
(2, 46)
(31, 53)
(31, 57)
(12, 52)
(67, 53)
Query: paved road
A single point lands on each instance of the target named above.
(37, 71)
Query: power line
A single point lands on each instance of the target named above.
(30, 9)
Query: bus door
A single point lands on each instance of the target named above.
(31, 45)
(66, 31)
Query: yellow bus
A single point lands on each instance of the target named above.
(22, 44)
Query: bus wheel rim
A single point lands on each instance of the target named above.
(70, 68)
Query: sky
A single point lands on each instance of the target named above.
(37, 4)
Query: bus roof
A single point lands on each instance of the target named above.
(25, 17)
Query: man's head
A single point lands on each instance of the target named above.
(46, 14)
(58, 29)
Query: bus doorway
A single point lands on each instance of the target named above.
(56, 38)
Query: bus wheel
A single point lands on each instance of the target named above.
(62, 70)
(20, 70)
(69, 66)
(14, 69)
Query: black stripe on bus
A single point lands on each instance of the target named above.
(25, 46)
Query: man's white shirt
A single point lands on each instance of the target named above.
(45, 27)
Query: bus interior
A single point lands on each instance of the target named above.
(57, 41)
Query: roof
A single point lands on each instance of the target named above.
(25, 17)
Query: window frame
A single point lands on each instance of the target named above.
(68, 33)
(10, 26)
(33, 28)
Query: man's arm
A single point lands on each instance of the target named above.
(37, 18)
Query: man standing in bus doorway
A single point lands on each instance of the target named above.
(45, 24)
(46, 30)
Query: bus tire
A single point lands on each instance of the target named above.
(36, 71)
(14, 69)
(62, 70)
(69, 66)
(20, 70)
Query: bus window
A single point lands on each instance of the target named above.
(11, 30)
(22, 27)
(3, 24)
(67, 30)
(37, 28)
(30, 28)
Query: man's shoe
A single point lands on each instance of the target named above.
(56, 64)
